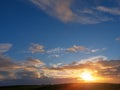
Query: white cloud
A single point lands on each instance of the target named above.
(54, 56)
(56, 65)
(76, 49)
(94, 50)
(36, 48)
(55, 50)
(114, 11)
(97, 50)
(93, 59)
(4, 47)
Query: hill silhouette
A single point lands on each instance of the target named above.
(81, 86)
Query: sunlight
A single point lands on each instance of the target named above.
(87, 76)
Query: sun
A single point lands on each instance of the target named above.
(87, 76)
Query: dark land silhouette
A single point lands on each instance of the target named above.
(80, 86)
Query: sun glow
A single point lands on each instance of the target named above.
(87, 76)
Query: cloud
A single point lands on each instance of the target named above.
(76, 49)
(6, 63)
(107, 69)
(97, 50)
(85, 12)
(33, 62)
(40, 81)
(90, 63)
(58, 8)
(25, 74)
(55, 52)
(32, 68)
(6, 75)
(7, 67)
(36, 48)
(114, 11)
(4, 47)
(56, 65)
(94, 50)
(54, 56)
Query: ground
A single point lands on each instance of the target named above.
(82, 86)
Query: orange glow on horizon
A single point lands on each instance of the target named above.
(89, 76)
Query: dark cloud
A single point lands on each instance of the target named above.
(25, 74)
(6, 63)
(37, 81)
(29, 68)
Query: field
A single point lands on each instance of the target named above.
(82, 86)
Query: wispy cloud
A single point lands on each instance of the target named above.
(97, 50)
(59, 51)
(55, 50)
(114, 11)
(77, 49)
(54, 55)
(36, 48)
(84, 49)
(78, 11)
(57, 8)
(4, 47)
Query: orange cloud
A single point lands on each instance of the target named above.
(107, 70)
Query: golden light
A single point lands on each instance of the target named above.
(87, 76)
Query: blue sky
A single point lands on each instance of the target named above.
(59, 31)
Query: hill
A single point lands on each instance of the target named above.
(81, 86)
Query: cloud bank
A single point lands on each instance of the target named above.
(32, 69)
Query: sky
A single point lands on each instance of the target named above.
(57, 40)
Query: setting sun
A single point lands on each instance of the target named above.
(87, 76)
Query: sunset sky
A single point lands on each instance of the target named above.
(59, 40)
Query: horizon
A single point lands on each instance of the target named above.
(61, 41)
